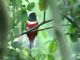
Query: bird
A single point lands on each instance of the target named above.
(32, 22)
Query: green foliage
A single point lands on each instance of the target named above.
(27, 0)
(45, 34)
(53, 46)
(23, 26)
(16, 30)
(51, 57)
(72, 1)
(15, 2)
(19, 14)
(30, 6)
(74, 13)
(73, 37)
(73, 29)
(14, 54)
(73, 33)
(18, 2)
(43, 5)
(16, 45)
(23, 17)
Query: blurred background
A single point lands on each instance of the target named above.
(46, 44)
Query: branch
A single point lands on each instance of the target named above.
(39, 25)
(34, 28)
(71, 21)
(43, 29)
(44, 15)
(69, 18)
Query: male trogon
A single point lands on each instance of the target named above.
(32, 22)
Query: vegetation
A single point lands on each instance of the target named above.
(59, 30)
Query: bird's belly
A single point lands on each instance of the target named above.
(32, 35)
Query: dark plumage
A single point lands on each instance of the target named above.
(32, 17)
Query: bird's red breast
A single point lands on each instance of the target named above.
(30, 25)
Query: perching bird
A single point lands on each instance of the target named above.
(32, 22)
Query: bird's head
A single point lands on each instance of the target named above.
(32, 17)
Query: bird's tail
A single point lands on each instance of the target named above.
(31, 44)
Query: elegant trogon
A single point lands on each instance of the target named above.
(32, 22)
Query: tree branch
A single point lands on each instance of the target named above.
(44, 15)
(43, 29)
(34, 28)
(71, 21)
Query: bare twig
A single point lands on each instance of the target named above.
(71, 21)
(44, 15)
(39, 25)
(43, 29)
(34, 28)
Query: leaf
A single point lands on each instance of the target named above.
(50, 57)
(73, 29)
(11, 36)
(16, 31)
(72, 1)
(74, 37)
(45, 34)
(16, 45)
(42, 5)
(43, 57)
(11, 54)
(27, 0)
(23, 26)
(23, 7)
(18, 3)
(25, 52)
(12, 2)
(22, 15)
(38, 54)
(13, 23)
(53, 46)
(30, 6)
